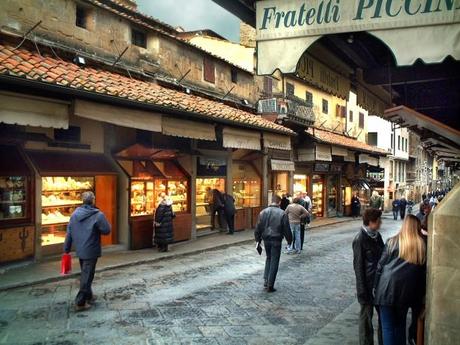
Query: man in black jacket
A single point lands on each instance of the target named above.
(272, 226)
(367, 250)
(229, 212)
(84, 230)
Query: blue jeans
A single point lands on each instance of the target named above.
(295, 228)
(393, 325)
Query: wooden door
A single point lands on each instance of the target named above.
(106, 201)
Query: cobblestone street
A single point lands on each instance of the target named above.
(210, 298)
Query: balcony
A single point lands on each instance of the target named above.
(290, 110)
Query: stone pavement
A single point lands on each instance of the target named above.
(46, 271)
(213, 297)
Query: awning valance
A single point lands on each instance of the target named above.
(33, 111)
(323, 153)
(188, 129)
(276, 141)
(364, 158)
(339, 151)
(241, 139)
(125, 117)
(281, 165)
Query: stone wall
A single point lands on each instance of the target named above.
(443, 280)
(247, 35)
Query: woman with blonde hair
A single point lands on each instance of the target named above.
(400, 280)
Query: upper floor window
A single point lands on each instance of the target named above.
(350, 116)
(290, 89)
(81, 17)
(372, 138)
(309, 98)
(209, 71)
(392, 139)
(399, 142)
(268, 86)
(361, 120)
(234, 75)
(325, 106)
(138, 38)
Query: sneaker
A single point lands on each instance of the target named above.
(84, 307)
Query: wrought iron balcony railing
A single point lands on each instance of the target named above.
(288, 108)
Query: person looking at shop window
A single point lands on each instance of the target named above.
(84, 231)
(229, 212)
(400, 280)
(163, 224)
(217, 207)
(367, 249)
(272, 226)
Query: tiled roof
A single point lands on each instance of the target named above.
(149, 22)
(328, 137)
(30, 65)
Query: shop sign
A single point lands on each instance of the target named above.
(323, 77)
(278, 19)
(212, 166)
(279, 165)
(323, 153)
(368, 101)
(322, 167)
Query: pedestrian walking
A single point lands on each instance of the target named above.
(296, 213)
(395, 208)
(367, 249)
(163, 224)
(400, 280)
(84, 231)
(229, 212)
(355, 205)
(422, 215)
(305, 222)
(272, 227)
(402, 207)
(284, 201)
(376, 201)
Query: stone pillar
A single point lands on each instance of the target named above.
(442, 324)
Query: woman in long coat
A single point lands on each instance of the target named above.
(163, 225)
(355, 206)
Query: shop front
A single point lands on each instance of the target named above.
(63, 178)
(153, 174)
(17, 229)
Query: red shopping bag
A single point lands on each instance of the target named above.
(66, 263)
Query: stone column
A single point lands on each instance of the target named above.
(442, 324)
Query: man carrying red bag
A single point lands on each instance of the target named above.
(85, 228)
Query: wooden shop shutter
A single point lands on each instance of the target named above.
(209, 70)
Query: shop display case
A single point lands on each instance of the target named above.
(176, 190)
(300, 184)
(13, 197)
(246, 193)
(317, 197)
(332, 195)
(204, 187)
(280, 183)
(142, 197)
(60, 197)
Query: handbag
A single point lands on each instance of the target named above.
(66, 264)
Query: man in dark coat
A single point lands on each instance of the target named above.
(217, 206)
(84, 231)
(367, 249)
(395, 208)
(272, 226)
(229, 212)
(284, 202)
(355, 205)
(164, 215)
(402, 207)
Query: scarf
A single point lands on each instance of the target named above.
(370, 233)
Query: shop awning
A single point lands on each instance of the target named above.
(33, 111)
(70, 163)
(125, 117)
(241, 139)
(364, 158)
(276, 141)
(280, 165)
(339, 151)
(323, 153)
(139, 151)
(188, 129)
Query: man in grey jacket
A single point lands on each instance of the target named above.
(85, 228)
(272, 226)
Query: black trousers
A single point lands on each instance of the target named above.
(395, 214)
(302, 235)
(219, 217)
(366, 329)
(88, 268)
(230, 219)
(402, 213)
(273, 251)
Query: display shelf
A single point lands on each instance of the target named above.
(62, 205)
(66, 190)
(8, 202)
(55, 224)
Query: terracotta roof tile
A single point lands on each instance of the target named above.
(66, 73)
(344, 141)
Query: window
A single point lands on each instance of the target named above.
(350, 115)
(399, 142)
(372, 138)
(138, 38)
(290, 89)
(361, 120)
(234, 75)
(72, 135)
(209, 73)
(405, 145)
(309, 98)
(325, 106)
(392, 139)
(81, 17)
(268, 86)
